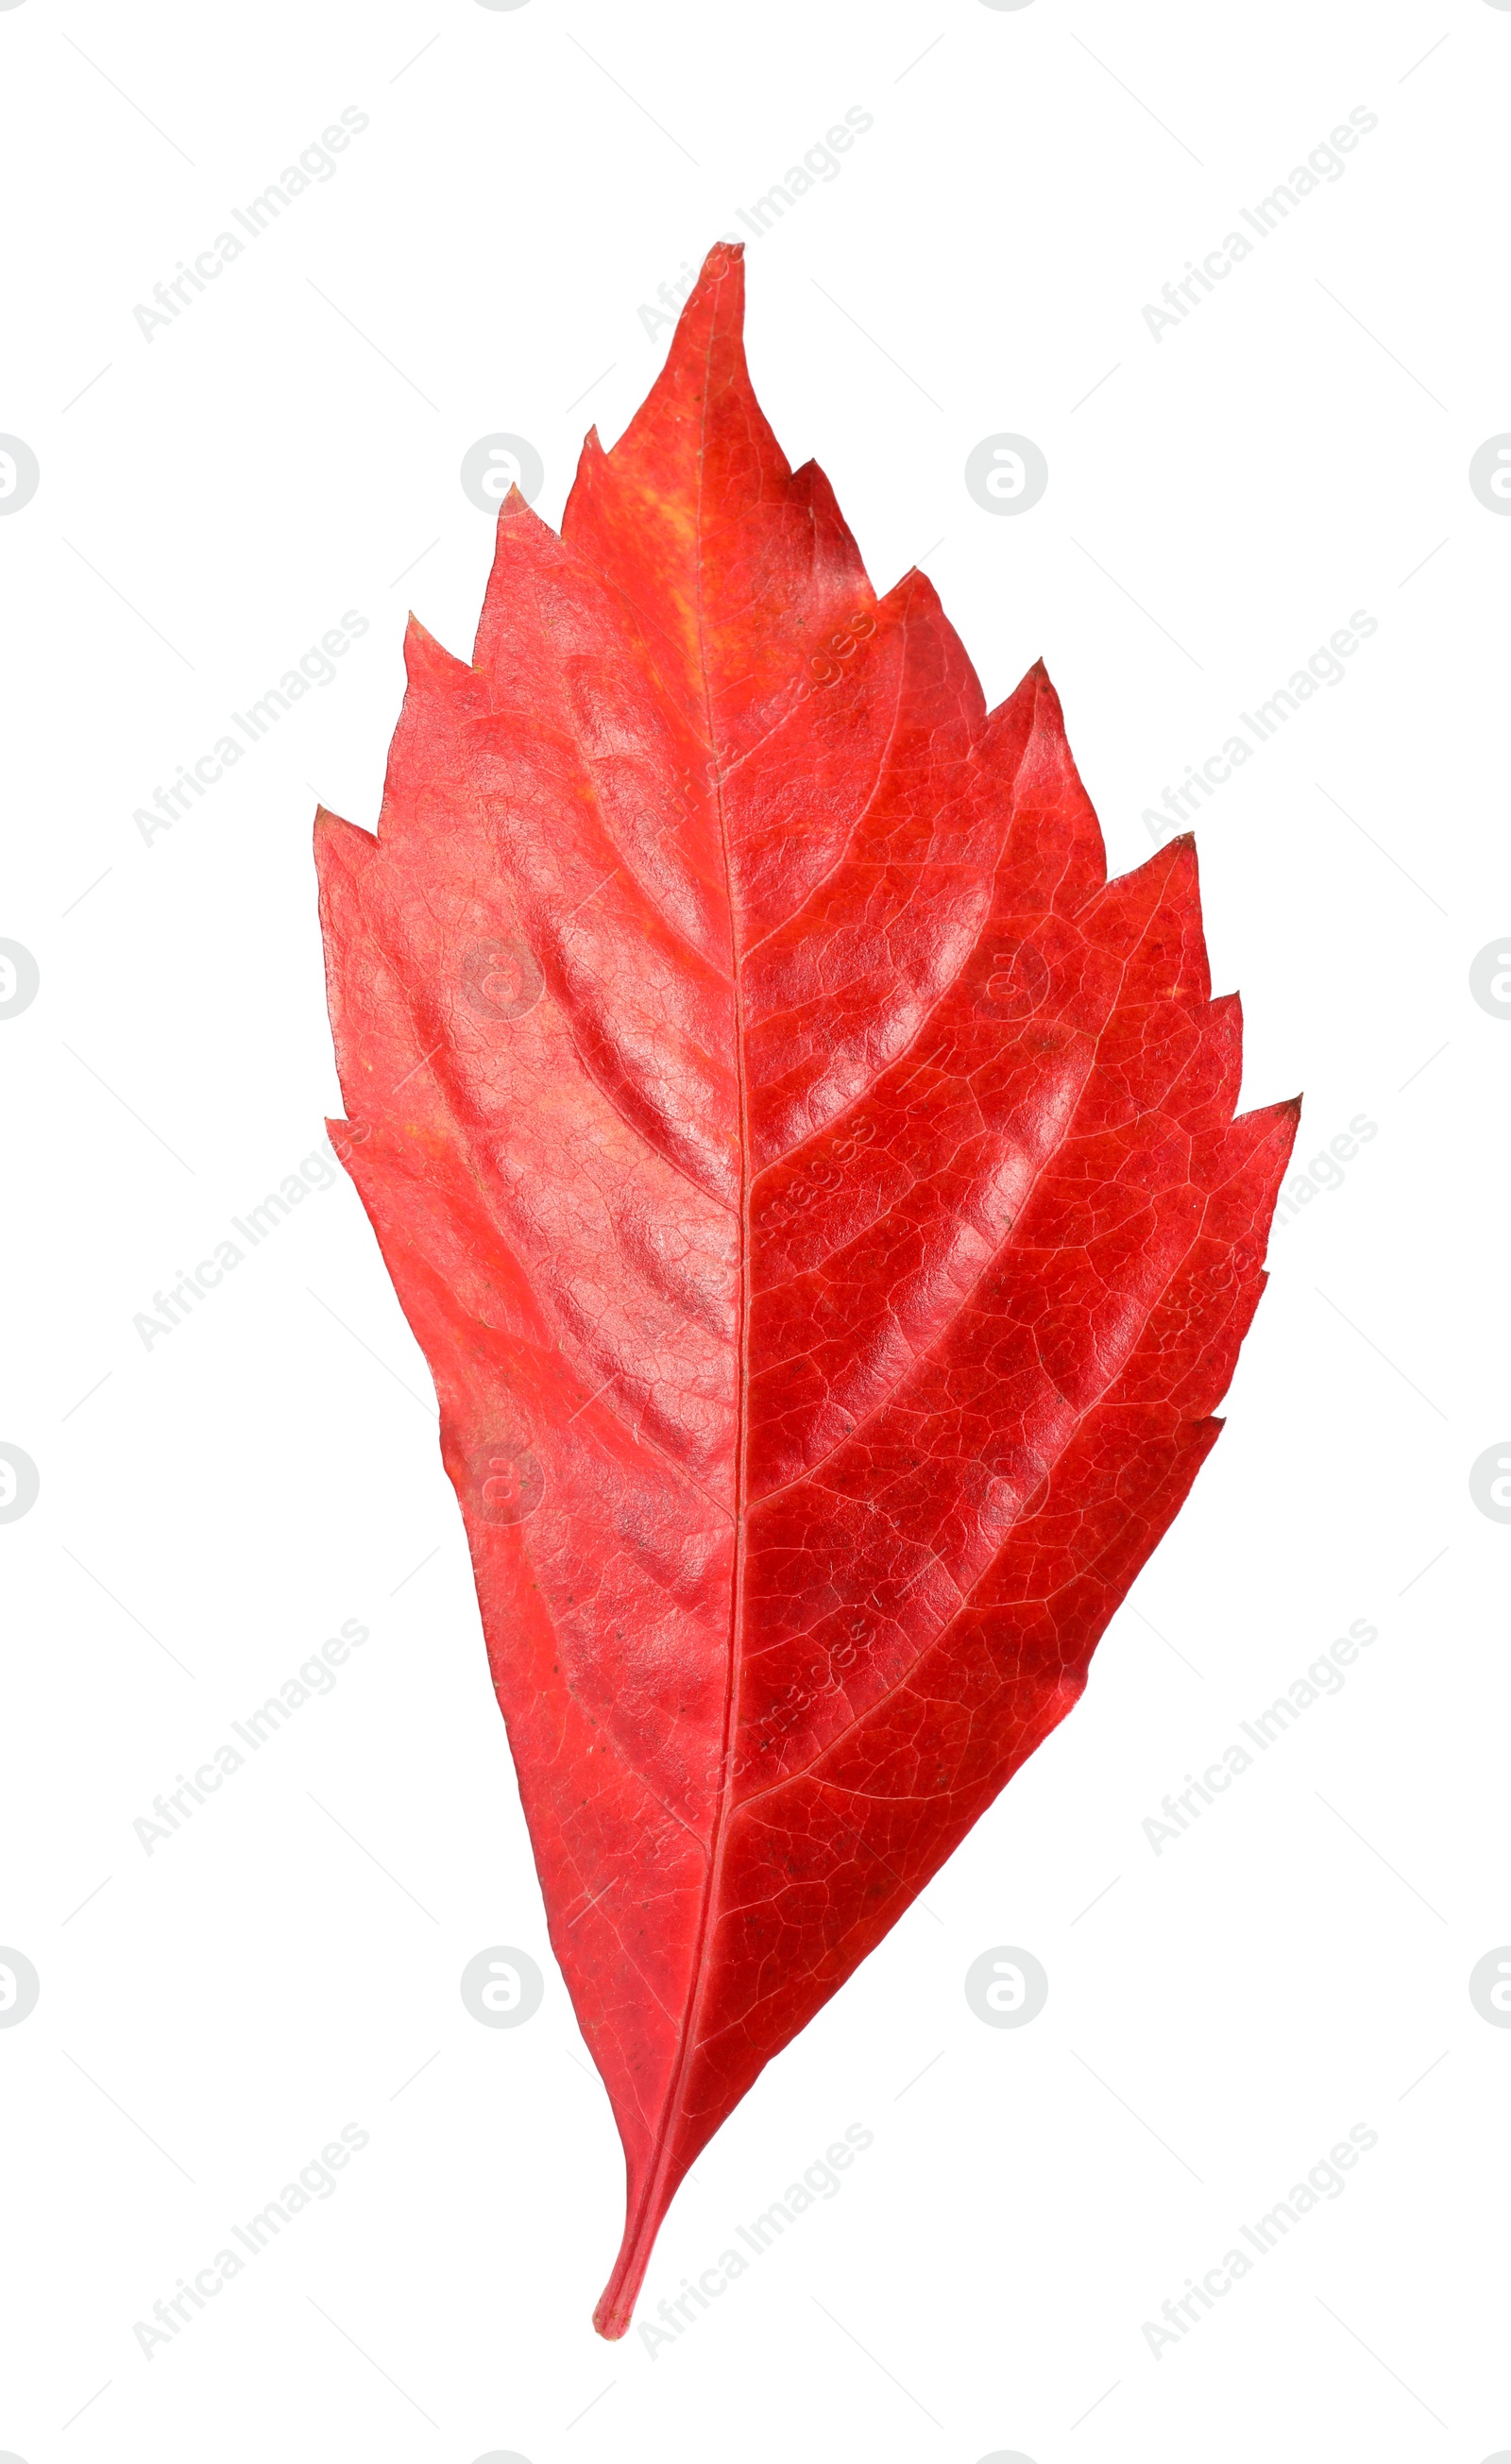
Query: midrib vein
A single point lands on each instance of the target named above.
(698, 1967)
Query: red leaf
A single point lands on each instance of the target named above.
(817, 1192)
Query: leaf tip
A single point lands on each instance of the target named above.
(1048, 711)
(709, 307)
(337, 841)
(1179, 863)
(424, 658)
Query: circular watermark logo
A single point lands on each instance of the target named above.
(495, 464)
(1489, 978)
(19, 980)
(19, 1987)
(1016, 1473)
(19, 470)
(502, 4)
(508, 1482)
(1006, 1986)
(502, 1987)
(1490, 1482)
(20, 1483)
(1017, 984)
(1006, 3)
(495, 2454)
(1490, 463)
(1489, 1986)
(1006, 475)
(501, 978)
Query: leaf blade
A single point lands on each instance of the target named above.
(818, 1192)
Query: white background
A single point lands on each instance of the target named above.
(1220, 501)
